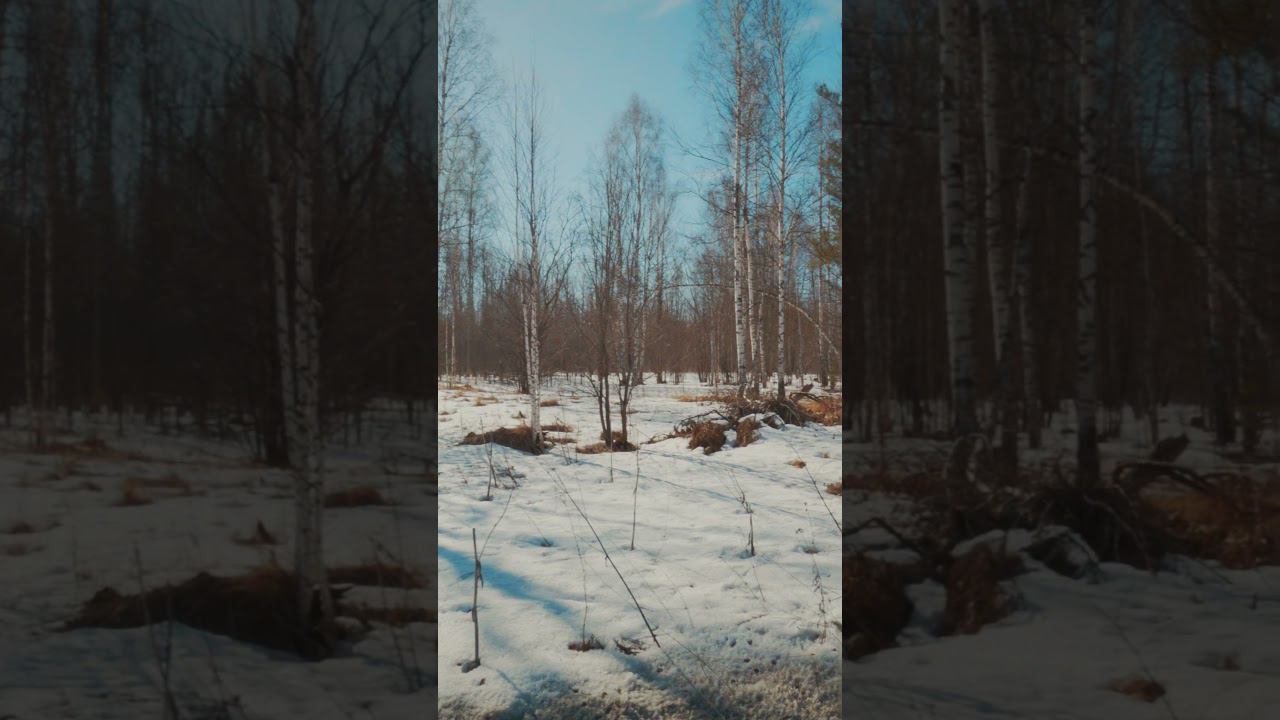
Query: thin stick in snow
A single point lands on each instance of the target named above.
(605, 550)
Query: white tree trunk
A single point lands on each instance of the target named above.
(957, 263)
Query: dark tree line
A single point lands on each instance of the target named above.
(141, 144)
(1156, 124)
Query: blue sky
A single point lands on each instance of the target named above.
(591, 55)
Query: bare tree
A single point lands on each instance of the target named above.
(532, 195)
(1087, 281)
(958, 262)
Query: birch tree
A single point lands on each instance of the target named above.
(1087, 460)
(788, 56)
(957, 261)
(531, 192)
(728, 71)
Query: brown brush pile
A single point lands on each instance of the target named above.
(517, 438)
(358, 496)
(876, 607)
(707, 435)
(975, 596)
(618, 445)
(746, 429)
(260, 608)
(376, 575)
(1137, 687)
(823, 409)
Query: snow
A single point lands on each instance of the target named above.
(84, 542)
(719, 614)
(1209, 635)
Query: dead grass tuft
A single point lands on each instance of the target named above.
(618, 445)
(358, 496)
(825, 409)
(797, 463)
(835, 488)
(975, 596)
(556, 427)
(131, 487)
(747, 432)
(1137, 687)
(707, 435)
(591, 643)
(130, 497)
(549, 403)
(20, 549)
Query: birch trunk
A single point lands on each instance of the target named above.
(957, 263)
(309, 485)
(1026, 323)
(1087, 459)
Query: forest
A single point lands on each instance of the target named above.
(639, 362)
(1064, 427)
(215, 356)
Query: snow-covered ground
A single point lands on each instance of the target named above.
(723, 619)
(80, 541)
(1209, 635)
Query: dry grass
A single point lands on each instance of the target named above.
(591, 643)
(549, 403)
(130, 497)
(715, 397)
(825, 409)
(1241, 528)
(556, 427)
(707, 435)
(797, 463)
(92, 447)
(20, 549)
(259, 607)
(454, 386)
(747, 432)
(835, 488)
(376, 575)
(1137, 687)
(482, 401)
(131, 487)
(517, 438)
(358, 496)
